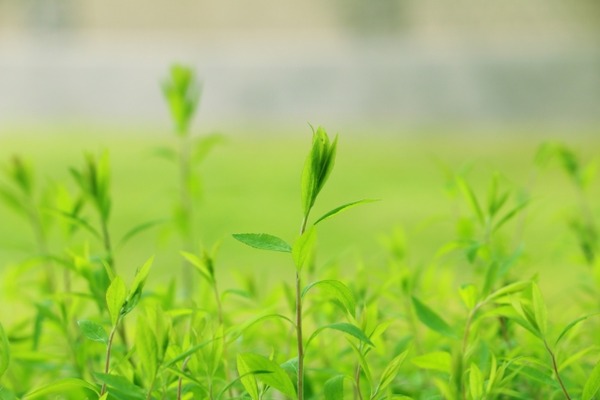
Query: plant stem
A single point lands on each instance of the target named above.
(299, 340)
(180, 382)
(108, 350)
(186, 205)
(555, 368)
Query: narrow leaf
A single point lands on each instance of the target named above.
(277, 379)
(431, 319)
(390, 371)
(93, 331)
(122, 386)
(263, 241)
(592, 384)
(344, 327)
(571, 325)
(337, 290)
(475, 382)
(4, 352)
(344, 207)
(437, 360)
(136, 230)
(539, 309)
(73, 387)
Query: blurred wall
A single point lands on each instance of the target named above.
(415, 61)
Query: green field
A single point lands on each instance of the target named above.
(251, 183)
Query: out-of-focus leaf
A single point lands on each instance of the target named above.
(93, 331)
(592, 385)
(390, 371)
(115, 298)
(121, 386)
(334, 388)
(475, 382)
(136, 230)
(4, 352)
(437, 360)
(71, 387)
(337, 290)
(303, 248)
(278, 379)
(431, 319)
(344, 327)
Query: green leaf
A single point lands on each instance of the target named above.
(344, 327)
(468, 294)
(201, 265)
(437, 360)
(469, 195)
(432, 320)
(317, 168)
(390, 371)
(303, 249)
(135, 293)
(277, 379)
(334, 388)
(70, 387)
(115, 299)
(344, 207)
(4, 352)
(146, 347)
(93, 331)
(263, 241)
(571, 325)
(539, 309)
(247, 378)
(475, 382)
(136, 230)
(122, 386)
(509, 289)
(337, 290)
(592, 384)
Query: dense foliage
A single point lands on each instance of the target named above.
(391, 331)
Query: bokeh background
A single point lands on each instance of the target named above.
(335, 62)
(410, 85)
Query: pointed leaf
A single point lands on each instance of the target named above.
(122, 386)
(431, 319)
(277, 379)
(592, 385)
(437, 360)
(571, 325)
(344, 207)
(248, 380)
(336, 290)
(475, 382)
(136, 230)
(69, 387)
(4, 352)
(390, 371)
(344, 327)
(115, 299)
(135, 293)
(539, 309)
(263, 241)
(93, 331)
(303, 248)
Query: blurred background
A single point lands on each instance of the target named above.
(347, 63)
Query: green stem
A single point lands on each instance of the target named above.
(555, 368)
(186, 205)
(108, 351)
(180, 381)
(299, 340)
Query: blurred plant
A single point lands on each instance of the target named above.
(182, 91)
